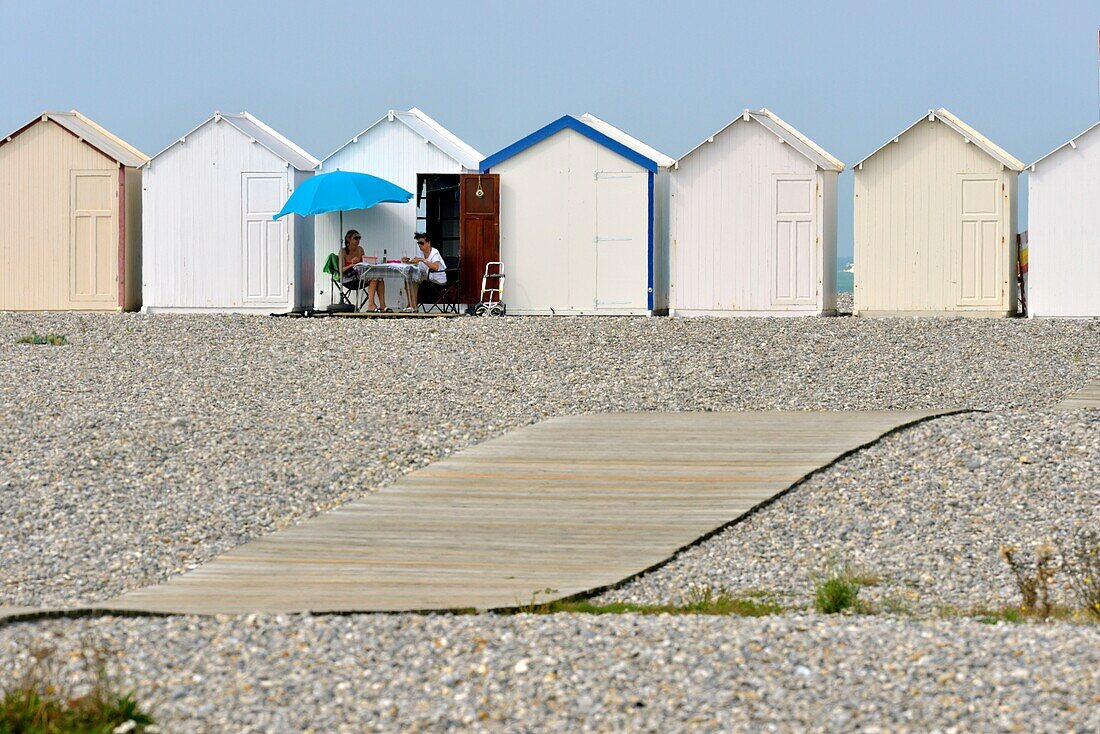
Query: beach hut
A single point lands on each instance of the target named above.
(70, 217)
(584, 221)
(1064, 230)
(754, 223)
(418, 154)
(210, 243)
(935, 223)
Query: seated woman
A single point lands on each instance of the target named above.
(436, 267)
(351, 254)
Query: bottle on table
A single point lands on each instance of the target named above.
(383, 256)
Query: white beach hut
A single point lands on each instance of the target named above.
(754, 223)
(418, 154)
(584, 221)
(1064, 230)
(209, 241)
(935, 223)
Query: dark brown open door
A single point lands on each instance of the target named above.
(479, 214)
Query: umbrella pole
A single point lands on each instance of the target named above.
(340, 235)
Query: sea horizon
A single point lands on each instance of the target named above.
(845, 282)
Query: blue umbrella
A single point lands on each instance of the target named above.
(342, 191)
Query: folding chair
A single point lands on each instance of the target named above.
(332, 268)
(444, 298)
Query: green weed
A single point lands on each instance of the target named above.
(37, 704)
(56, 340)
(838, 590)
(697, 600)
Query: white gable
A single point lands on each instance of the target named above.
(253, 130)
(968, 133)
(785, 133)
(429, 131)
(1068, 144)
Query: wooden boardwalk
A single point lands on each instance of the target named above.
(572, 504)
(1086, 397)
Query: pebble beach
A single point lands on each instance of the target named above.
(145, 446)
(569, 673)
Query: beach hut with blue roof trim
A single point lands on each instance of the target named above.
(583, 221)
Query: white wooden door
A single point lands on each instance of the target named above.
(266, 256)
(622, 239)
(93, 237)
(982, 248)
(794, 251)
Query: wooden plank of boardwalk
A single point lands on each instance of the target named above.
(1087, 397)
(571, 504)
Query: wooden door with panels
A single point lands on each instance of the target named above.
(794, 250)
(982, 252)
(266, 242)
(93, 237)
(479, 222)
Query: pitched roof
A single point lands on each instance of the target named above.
(1071, 143)
(786, 133)
(969, 134)
(633, 143)
(93, 134)
(255, 130)
(428, 129)
(568, 122)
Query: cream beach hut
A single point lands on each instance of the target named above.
(210, 242)
(754, 223)
(70, 217)
(935, 223)
(583, 221)
(412, 150)
(1064, 230)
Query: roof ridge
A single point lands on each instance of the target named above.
(582, 128)
(463, 149)
(663, 160)
(446, 132)
(110, 135)
(969, 133)
(1072, 141)
(282, 138)
(977, 136)
(229, 117)
(801, 136)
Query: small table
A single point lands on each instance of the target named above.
(405, 272)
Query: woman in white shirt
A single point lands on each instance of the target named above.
(437, 276)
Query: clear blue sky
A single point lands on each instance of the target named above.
(848, 74)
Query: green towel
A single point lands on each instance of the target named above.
(332, 265)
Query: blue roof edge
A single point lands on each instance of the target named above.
(571, 123)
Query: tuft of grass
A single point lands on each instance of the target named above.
(37, 704)
(56, 340)
(896, 604)
(838, 590)
(1019, 615)
(534, 606)
(697, 600)
(1012, 615)
(1033, 585)
(1083, 566)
